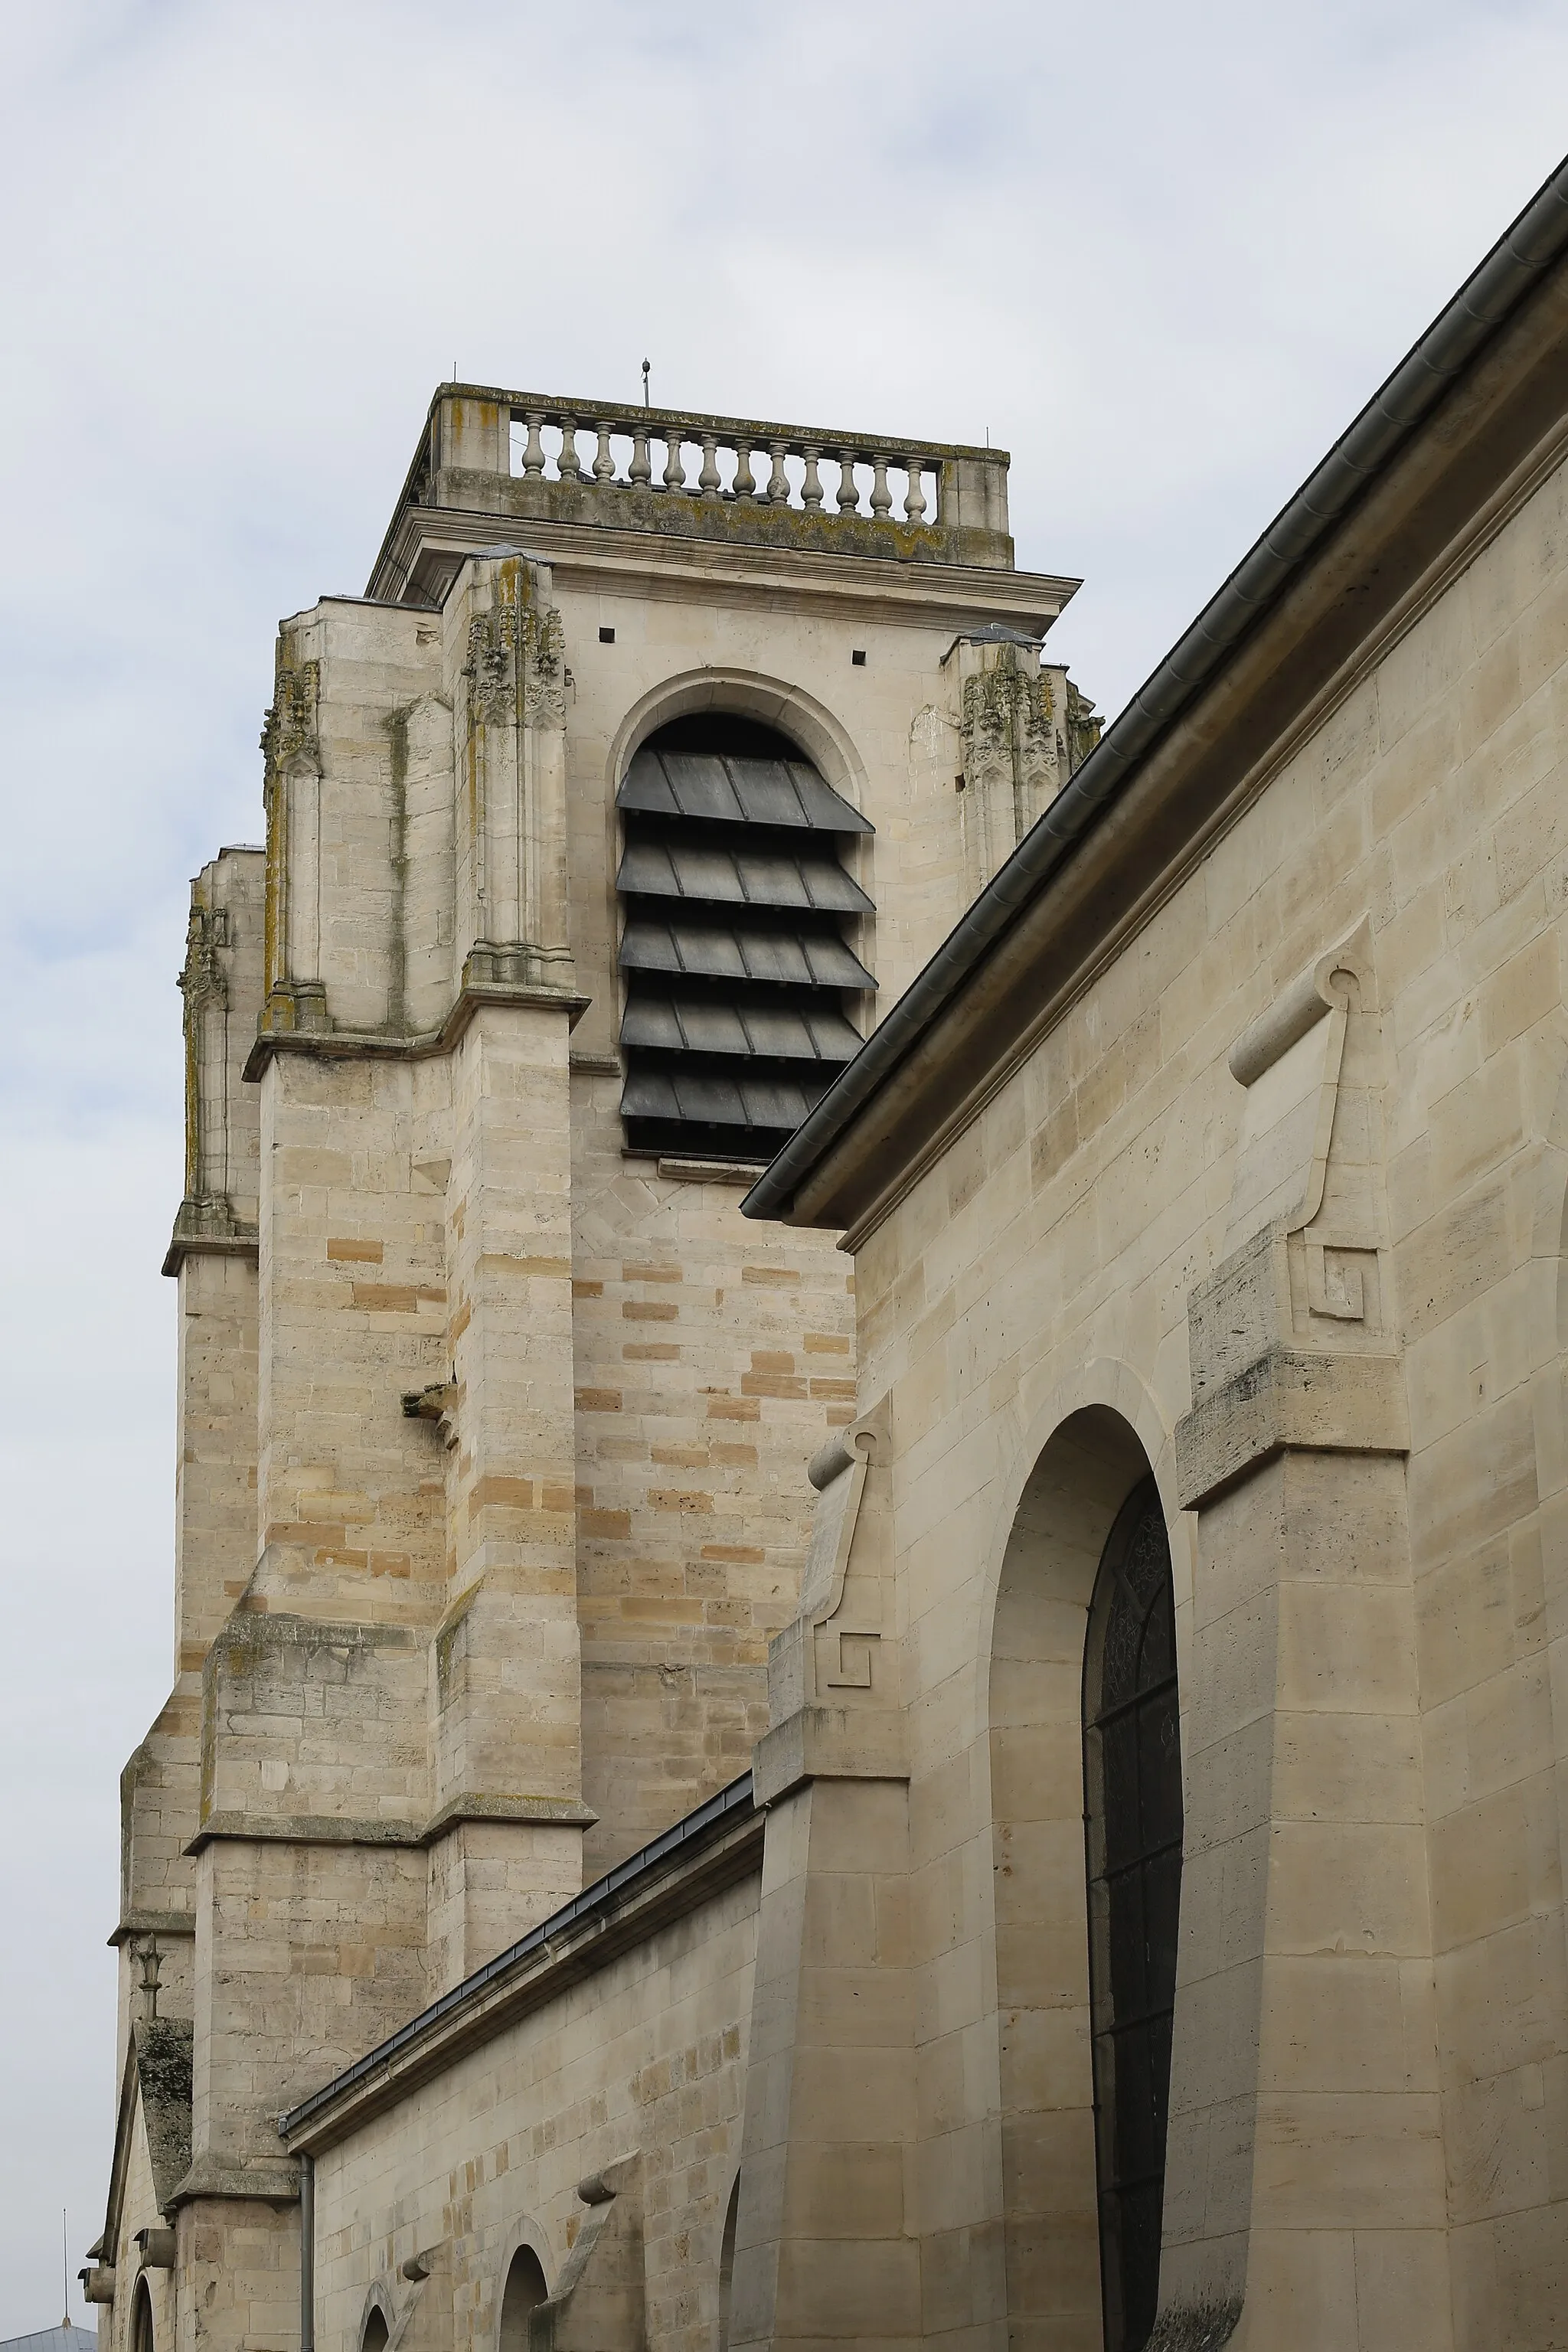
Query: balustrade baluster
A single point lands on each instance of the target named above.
(533, 455)
(778, 480)
(569, 464)
(674, 459)
(915, 497)
(605, 462)
(639, 473)
(811, 488)
(708, 479)
(744, 487)
(881, 495)
(848, 487)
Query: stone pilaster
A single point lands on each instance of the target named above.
(506, 1665)
(1304, 2181)
(823, 2249)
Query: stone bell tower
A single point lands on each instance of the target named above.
(597, 832)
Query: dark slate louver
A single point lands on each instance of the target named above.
(740, 980)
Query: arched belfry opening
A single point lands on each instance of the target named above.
(741, 922)
(1086, 1802)
(141, 2338)
(374, 2337)
(1133, 1814)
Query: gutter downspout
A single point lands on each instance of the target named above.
(307, 2253)
(1514, 266)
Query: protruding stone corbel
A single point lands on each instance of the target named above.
(438, 1402)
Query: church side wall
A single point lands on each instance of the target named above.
(647, 2055)
(1411, 2075)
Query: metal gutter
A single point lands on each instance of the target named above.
(1515, 265)
(694, 1828)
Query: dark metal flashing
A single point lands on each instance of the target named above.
(1363, 455)
(679, 1843)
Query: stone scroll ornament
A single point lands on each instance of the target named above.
(839, 1624)
(1304, 1283)
(1311, 1152)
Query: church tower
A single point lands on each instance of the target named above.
(658, 756)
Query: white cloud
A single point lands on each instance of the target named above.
(1162, 255)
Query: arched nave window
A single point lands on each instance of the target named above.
(1132, 1781)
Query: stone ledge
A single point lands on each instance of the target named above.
(335, 1829)
(273, 2181)
(419, 1046)
(1342, 1403)
(568, 1812)
(209, 1228)
(179, 1924)
(829, 1743)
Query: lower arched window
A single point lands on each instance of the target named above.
(1132, 1781)
(525, 2288)
(375, 2338)
(142, 2319)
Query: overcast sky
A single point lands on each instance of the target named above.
(1162, 255)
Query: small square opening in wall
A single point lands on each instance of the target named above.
(858, 658)
(606, 636)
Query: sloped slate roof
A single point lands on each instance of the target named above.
(754, 877)
(729, 790)
(786, 1033)
(773, 1102)
(53, 2339)
(740, 950)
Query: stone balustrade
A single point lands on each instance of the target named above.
(738, 463)
(678, 472)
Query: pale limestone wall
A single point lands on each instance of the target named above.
(1411, 2086)
(138, 2210)
(712, 1357)
(214, 1491)
(307, 1954)
(647, 2053)
(237, 2269)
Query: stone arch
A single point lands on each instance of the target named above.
(142, 2338)
(524, 2266)
(1071, 1489)
(376, 2320)
(751, 694)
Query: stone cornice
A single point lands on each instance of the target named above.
(919, 595)
(345, 1828)
(376, 1044)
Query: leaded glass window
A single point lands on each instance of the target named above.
(1132, 1778)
